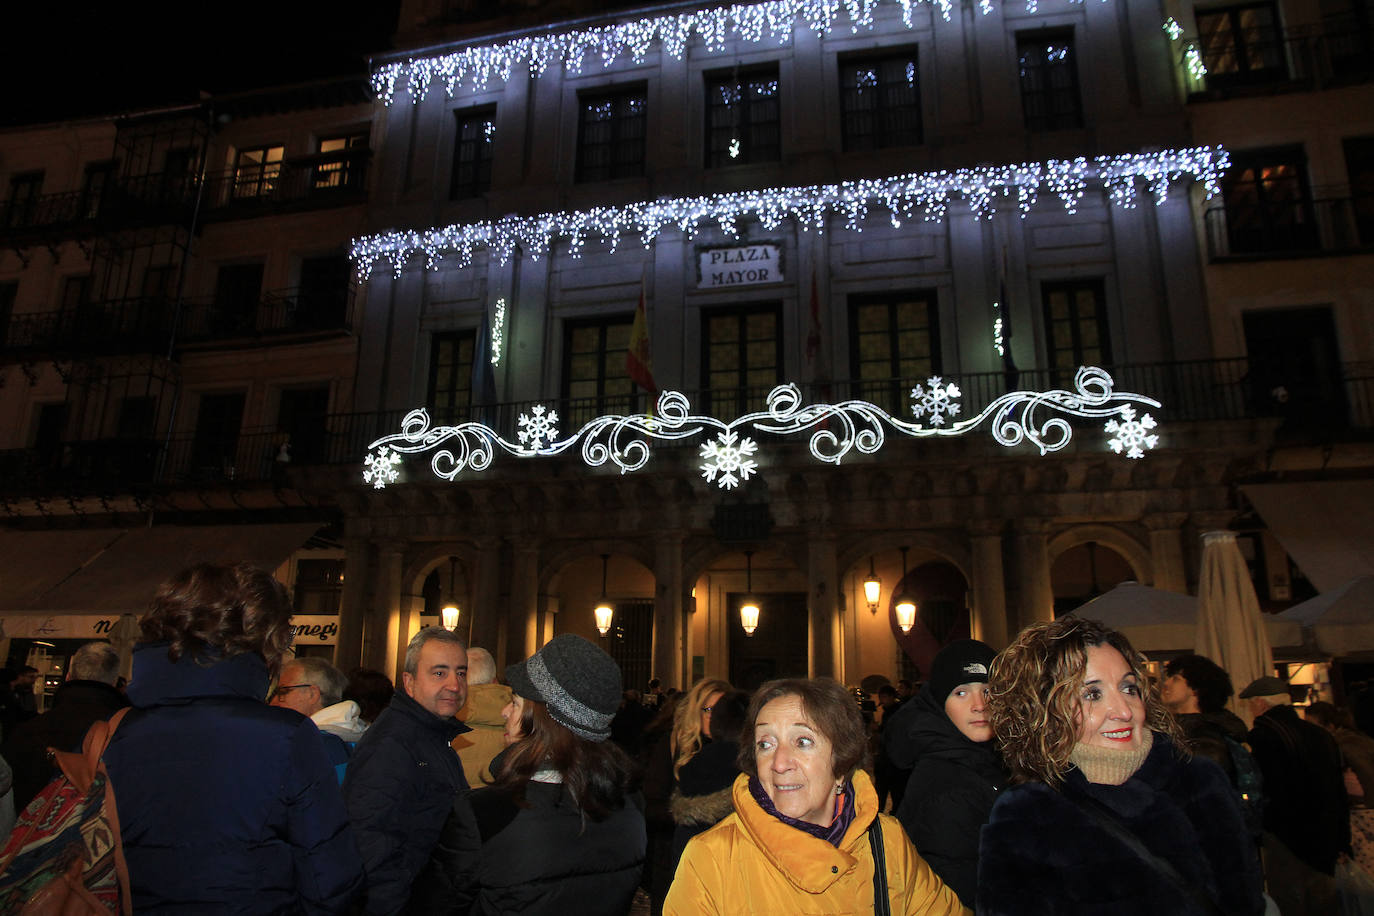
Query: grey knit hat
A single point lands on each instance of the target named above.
(577, 681)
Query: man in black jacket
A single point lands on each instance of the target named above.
(87, 696)
(403, 776)
(1306, 817)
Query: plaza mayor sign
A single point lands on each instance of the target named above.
(743, 265)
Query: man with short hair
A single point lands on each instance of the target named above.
(1195, 689)
(1306, 817)
(314, 688)
(403, 776)
(483, 714)
(87, 696)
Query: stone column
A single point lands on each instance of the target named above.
(988, 588)
(1166, 550)
(348, 653)
(822, 586)
(1035, 594)
(383, 627)
(668, 610)
(524, 635)
(486, 601)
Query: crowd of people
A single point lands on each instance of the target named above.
(1052, 777)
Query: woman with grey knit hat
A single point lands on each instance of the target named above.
(556, 832)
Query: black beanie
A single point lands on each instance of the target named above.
(964, 661)
(578, 681)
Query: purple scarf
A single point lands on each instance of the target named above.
(832, 833)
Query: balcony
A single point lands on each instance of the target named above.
(1199, 391)
(279, 313)
(323, 180)
(1325, 224)
(1337, 53)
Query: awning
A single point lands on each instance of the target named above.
(1327, 527)
(118, 570)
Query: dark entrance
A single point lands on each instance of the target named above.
(778, 647)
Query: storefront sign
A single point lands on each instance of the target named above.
(58, 626)
(747, 265)
(315, 629)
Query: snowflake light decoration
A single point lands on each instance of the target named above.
(538, 429)
(381, 468)
(1131, 434)
(724, 458)
(935, 399)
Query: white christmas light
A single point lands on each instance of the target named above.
(498, 331)
(1172, 28)
(997, 342)
(984, 189)
(1196, 67)
(477, 65)
(729, 458)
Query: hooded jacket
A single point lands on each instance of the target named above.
(1041, 853)
(753, 863)
(953, 785)
(399, 787)
(482, 714)
(341, 719)
(226, 804)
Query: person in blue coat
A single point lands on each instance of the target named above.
(226, 804)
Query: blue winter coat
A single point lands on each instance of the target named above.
(226, 804)
(399, 788)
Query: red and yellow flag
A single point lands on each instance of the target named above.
(639, 356)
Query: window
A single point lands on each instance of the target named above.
(23, 203)
(178, 173)
(742, 358)
(1359, 165)
(596, 380)
(1240, 44)
(76, 292)
(342, 162)
(742, 111)
(98, 176)
(894, 341)
(610, 134)
(631, 640)
(1295, 367)
(8, 292)
(319, 586)
(1049, 80)
(238, 292)
(472, 152)
(1348, 30)
(214, 447)
(1268, 204)
(257, 171)
(879, 101)
(300, 416)
(137, 417)
(450, 374)
(49, 432)
(1075, 326)
(322, 300)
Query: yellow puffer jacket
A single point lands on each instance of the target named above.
(751, 862)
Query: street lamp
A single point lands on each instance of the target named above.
(872, 588)
(604, 611)
(749, 610)
(906, 605)
(449, 614)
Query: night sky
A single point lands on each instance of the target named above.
(69, 60)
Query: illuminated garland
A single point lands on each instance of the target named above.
(498, 331)
(927, 194)
(729, 458)
(740, 22)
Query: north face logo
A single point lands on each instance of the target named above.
(976, 668)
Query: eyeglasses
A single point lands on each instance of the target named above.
(707, 708)
(283, 689)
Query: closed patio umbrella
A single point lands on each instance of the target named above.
(123, 635)
(1230, 627)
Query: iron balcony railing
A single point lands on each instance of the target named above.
(296, 310)
(1322, 223)
(1337, 52)
(326, 179)
(1196, 391)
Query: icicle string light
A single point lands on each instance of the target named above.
(926, 194)
(774, 19)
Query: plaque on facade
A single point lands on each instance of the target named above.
(743, 265)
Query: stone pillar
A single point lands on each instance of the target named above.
(384, 622)
(822, 588)
(1035, 594)
(348, 653)
(1166, 550)
(487, 612)
(668, 611)
(408, 610)
(524, 634)
(988, 588)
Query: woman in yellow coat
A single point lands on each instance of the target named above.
(800, 838)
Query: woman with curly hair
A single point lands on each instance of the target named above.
(225, 803)
(1107, 811)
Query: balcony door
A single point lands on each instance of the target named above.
(1295, 368)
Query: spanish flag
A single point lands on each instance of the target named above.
(639, 356)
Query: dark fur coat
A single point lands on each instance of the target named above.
(1042, 854)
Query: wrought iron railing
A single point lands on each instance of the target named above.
(1337, 52)
(325, 179)
(1324, 223)
(1193, 391)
